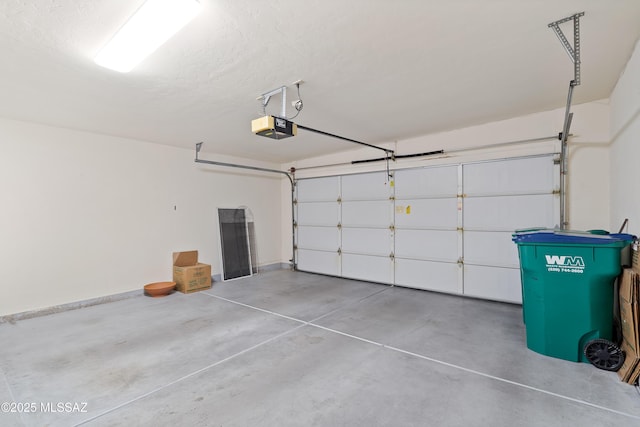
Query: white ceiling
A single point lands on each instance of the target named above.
(374, 70)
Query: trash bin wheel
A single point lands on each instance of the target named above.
(603, 354)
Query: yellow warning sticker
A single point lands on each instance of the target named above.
(408, 210)
(399, 209)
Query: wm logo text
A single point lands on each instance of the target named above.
(565, 264)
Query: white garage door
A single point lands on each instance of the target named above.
(367, 227)
(500, 197)
(317, 218)
(427, 245)
(443, 228)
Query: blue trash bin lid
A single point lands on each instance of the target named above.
(568, 237)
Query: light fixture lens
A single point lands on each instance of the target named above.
(152, 25)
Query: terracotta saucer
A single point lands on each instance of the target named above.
(159, 289)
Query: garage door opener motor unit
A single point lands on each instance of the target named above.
(273, 127)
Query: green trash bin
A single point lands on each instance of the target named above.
(567, 288)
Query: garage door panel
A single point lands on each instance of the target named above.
(426, 182)
(369, 241)
(495, 283)
(438, 245)
(490, 248)
(515, 176)
(369, 186)
(367, 214)
(365, 267)
(320, 213)
(319, 238)
(427, 213)
(508, 212)
(318, 189)
(319, 262)
(435, 276)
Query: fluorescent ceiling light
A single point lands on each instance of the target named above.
(152, 25)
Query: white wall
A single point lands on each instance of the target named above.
(625, 150)
(86, 215)
(589, 173)
(588, 191)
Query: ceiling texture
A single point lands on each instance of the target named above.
(374, 70)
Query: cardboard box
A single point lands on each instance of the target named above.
(633, 378)
(629, 297)
(630, 366)
(189, 274)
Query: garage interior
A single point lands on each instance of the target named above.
(382, 286)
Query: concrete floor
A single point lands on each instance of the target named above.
(296, 349)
